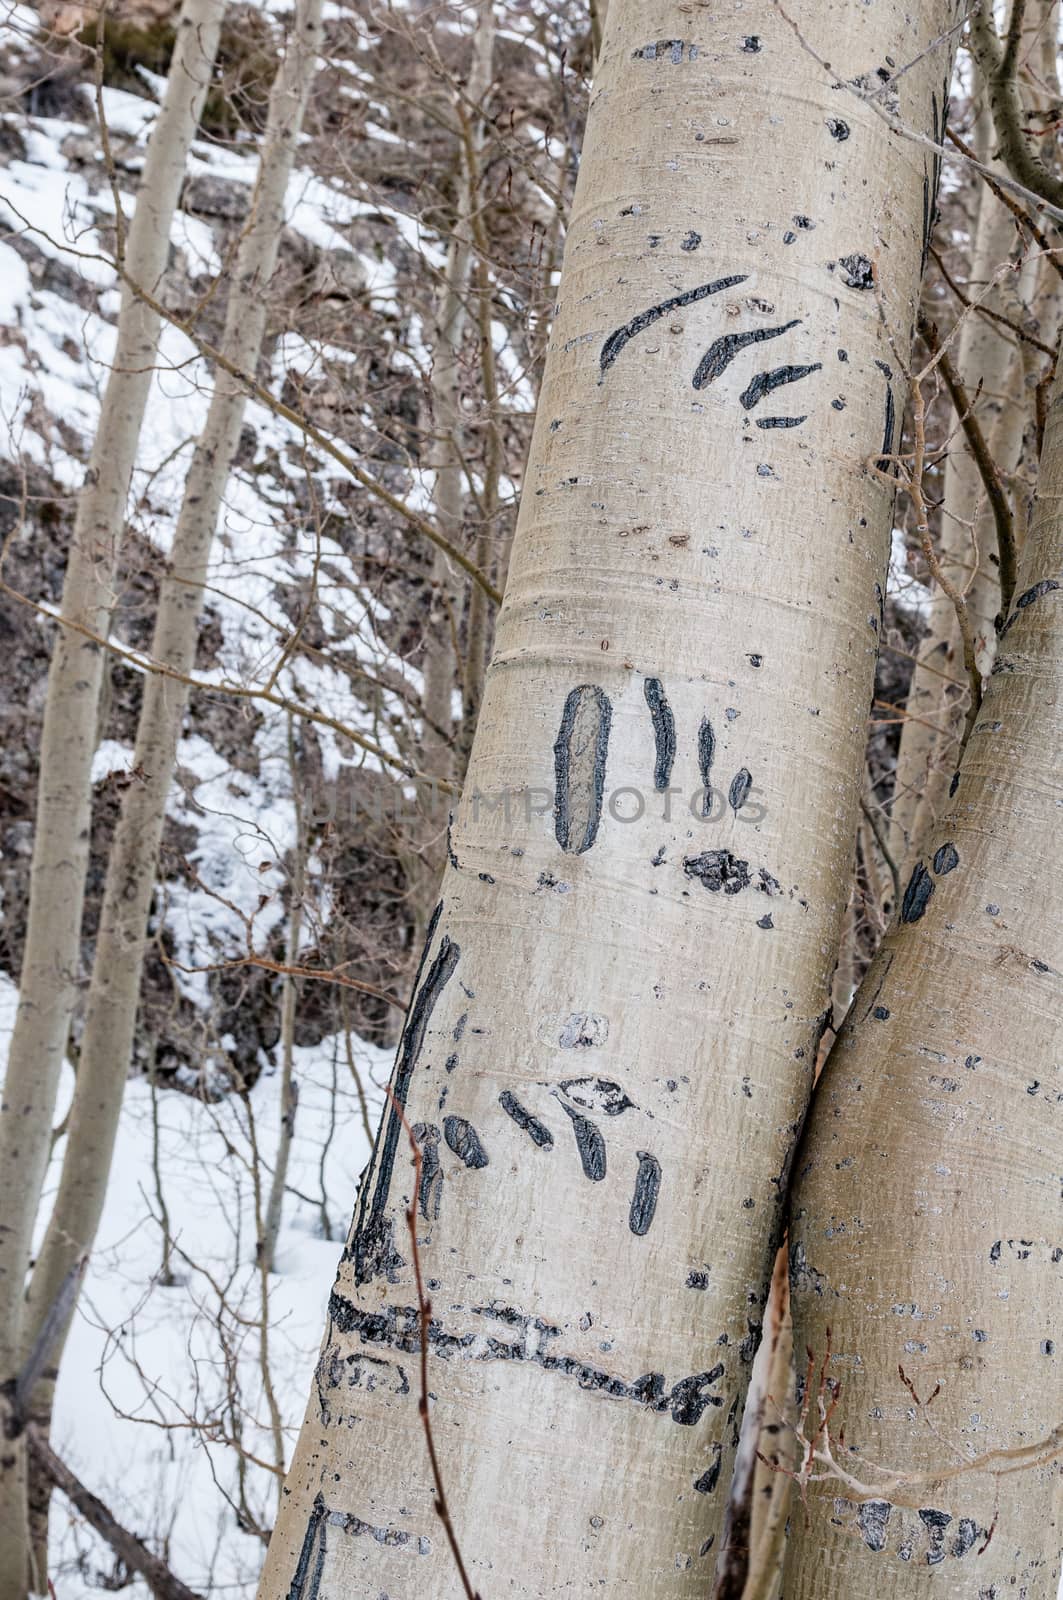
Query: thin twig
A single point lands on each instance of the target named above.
(993, 181)
(146, 663)
(424, 1308)
(987, 311)
(130, 1550)
(983, 460)
(262, 394)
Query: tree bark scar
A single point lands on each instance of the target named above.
(430, 1193)
(946, 859)
(722, 351)
(465, 1142)
(663, 732)
(647, 1188)
(589, 1143)
(306, 1579)
(917, 895)
(1045, 586)
(711, 1476)
(718, 869)
(399, 1328)
(781, 422)
(373, 1248)
(706, 756)
(873, 1517)
(659, 48)
(537, 1131)
(580, 752)
(765, 382)
(312, 1556)
(738, 793)
(884, 463)
(645, 319)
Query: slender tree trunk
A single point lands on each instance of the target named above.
(111, 1008)
(442, 678)
(48, 982)
(608, 1054)
(926, 1230)
(289, 995)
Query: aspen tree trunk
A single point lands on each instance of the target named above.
(111, 1007)
(611, 1039)
(441, 675)
(47, 985)
(926, 1230)
(289, 1089)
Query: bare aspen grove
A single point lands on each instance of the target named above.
(531, 799)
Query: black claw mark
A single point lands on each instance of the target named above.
(647, 1188)
(781, 422)
(538, 1131)
(590, 1144)
(621, 336)
(306, 1579)
(1045, 586)
(884, 464)
(663, 731)
(579, 767)
(917, 895)
(706, 756)
(431, 1190)
(399, 1328)
(372, 1246)
(711, 1476)
(946, 859)
(722, 351)
(464, 1140)
(738, 793)
(765, 382)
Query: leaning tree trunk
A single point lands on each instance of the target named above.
(609, 1049)
(48, 981)
(926, 1232)
(107, 1040)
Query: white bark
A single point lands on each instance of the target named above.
(110, 1016)
(61, 839)
(613, 1031)
(926, 1214)
(445, 461)
(289, 1088)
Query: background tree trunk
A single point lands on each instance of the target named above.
(111, 1007)
(610, 1046)
(48, 982)
(446, 462)
(926, 1231)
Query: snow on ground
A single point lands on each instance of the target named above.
(144, 1358)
